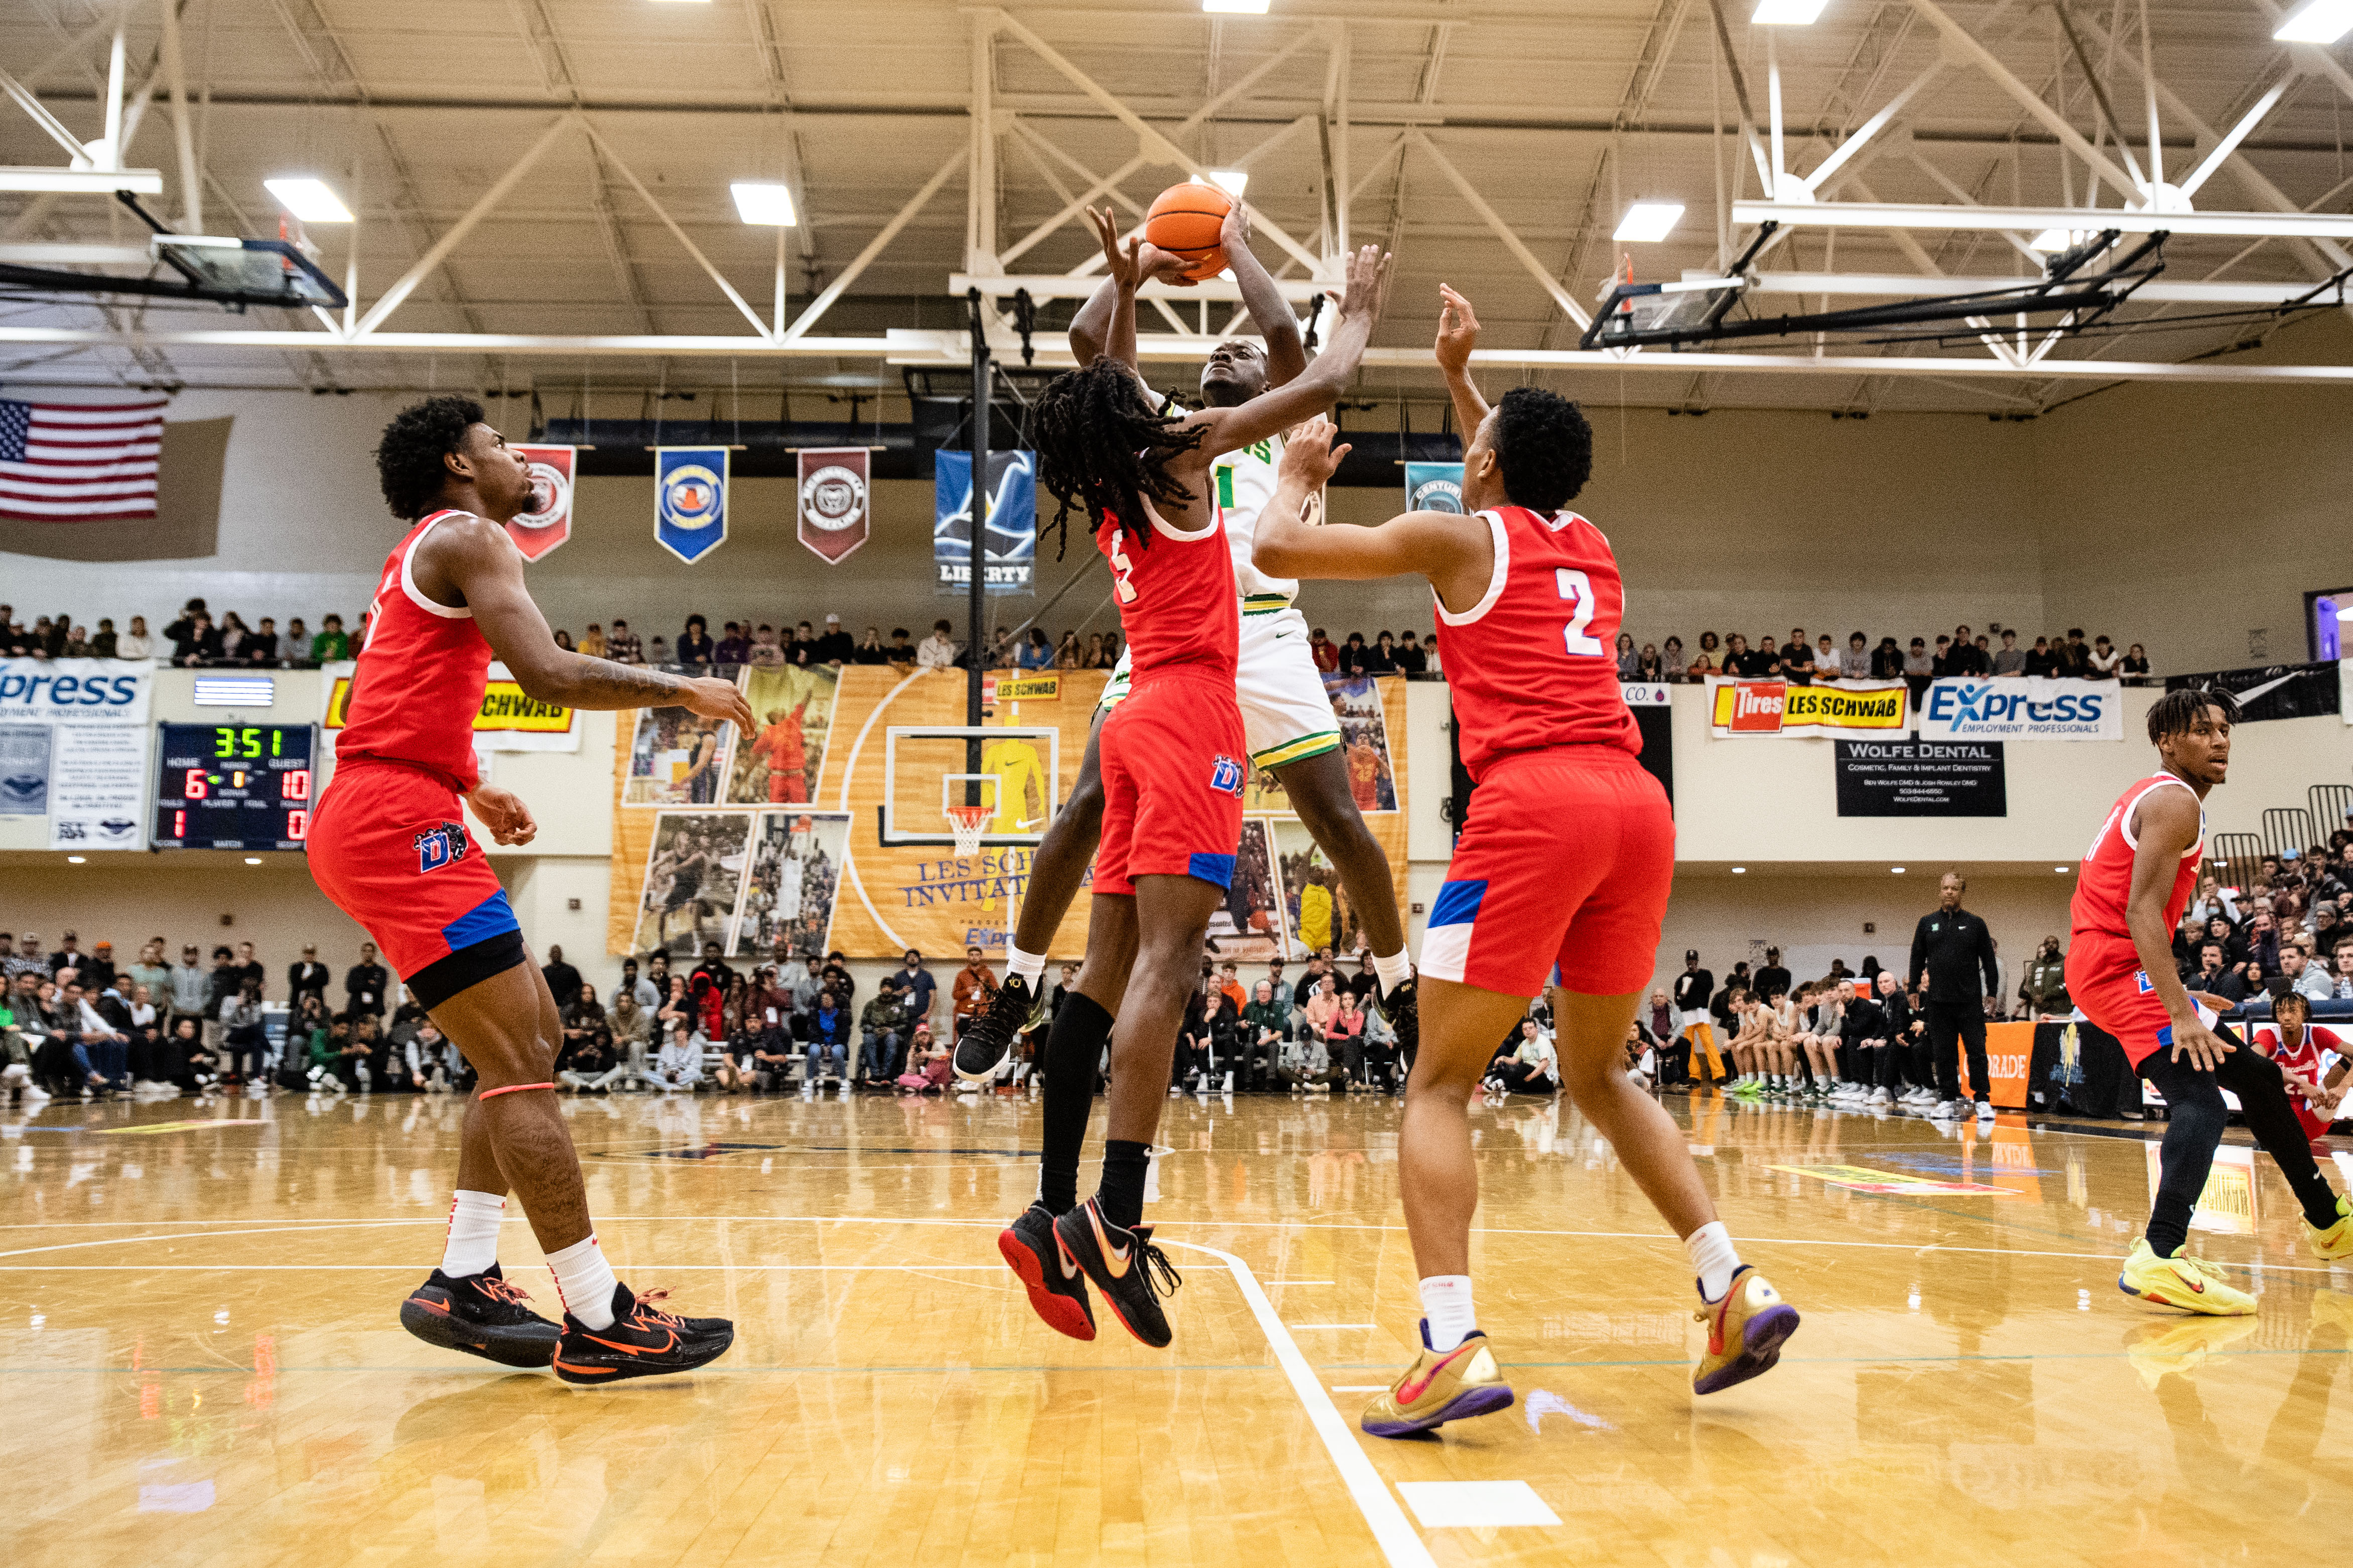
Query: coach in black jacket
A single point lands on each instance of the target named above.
(1955, 950)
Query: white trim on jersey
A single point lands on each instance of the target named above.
(2125, 822)
(408, 581)
(1167, 529)
(1502, 573)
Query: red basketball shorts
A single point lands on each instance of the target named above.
(1561, 876)
(2105, 980)
(1174, 763)
(388, 844)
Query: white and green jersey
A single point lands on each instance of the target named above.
(1246, 481)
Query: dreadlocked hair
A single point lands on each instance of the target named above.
(2175, 713)
(1102, 449)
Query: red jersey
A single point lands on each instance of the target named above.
(1533, 664)
(2304, 1056)
(1175, 591)
(2104, 886)
(421, 675)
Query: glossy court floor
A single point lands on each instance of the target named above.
(201, 1361)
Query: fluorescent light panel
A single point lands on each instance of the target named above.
(1235, 7)
(82, 181)
(308, 199)
(2321, 22)
(1647, 222)
(1234, 182)
(763, 202)
(1786, 13)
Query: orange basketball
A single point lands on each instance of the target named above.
(1184, 221)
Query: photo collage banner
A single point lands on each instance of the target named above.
(773, 838)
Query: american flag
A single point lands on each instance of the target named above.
(70, 462)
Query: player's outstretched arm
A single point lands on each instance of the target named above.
(1455, 552)
(1317, 387)
(1458, 334)
(2169, 825)
(1270, 313)
(480, 561)
(1105, 324)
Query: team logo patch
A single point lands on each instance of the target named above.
(1226, 775)
(2140, 979)
(440, 846)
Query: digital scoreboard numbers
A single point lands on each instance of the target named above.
(234, 786)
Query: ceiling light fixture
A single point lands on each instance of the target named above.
(1786, 13)
(1233, 181)
(2061, 869)
(77, 859)
(1235, 7)
(2321, 22)
(253, 859)
(1896, 870)
(1740, 870)
(2051, 241)
(1649, 222)
(308, 199)
(765, 201)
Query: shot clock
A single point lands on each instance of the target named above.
(234, 786)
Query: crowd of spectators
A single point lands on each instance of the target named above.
(1995, 652)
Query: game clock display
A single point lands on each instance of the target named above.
(234, 786)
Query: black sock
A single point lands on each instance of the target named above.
(1121, 1193)
(1072, 1047)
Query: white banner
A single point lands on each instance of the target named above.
(2015, 709)
(95, 712)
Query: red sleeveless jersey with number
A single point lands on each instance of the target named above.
(1175, 593)
(421, 675)
(2104, 886)
(1533, 665)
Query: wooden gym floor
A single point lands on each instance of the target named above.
(202, 1365)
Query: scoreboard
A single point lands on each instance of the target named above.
(234, 786)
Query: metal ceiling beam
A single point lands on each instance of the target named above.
(1959, 41)
(2291, 225)
(458, 231)
(796, 332)
(1896, 286)
(1520, 252)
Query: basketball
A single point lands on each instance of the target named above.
(1185, 221)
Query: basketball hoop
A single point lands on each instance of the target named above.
(967, 822)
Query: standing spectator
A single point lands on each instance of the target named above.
(331, 644)
(1629, 658)
(621, 645)
(1068, 655)
(1797, 659)
(1772, 981)
(1035, 653)
(189, 987)
(150, 971)
(1953, 949)
(2102, 662)
(135, 642)
(2135, 661)
(592, 641)
(1327, 652)
(2012, 659)
(975, 985)
(938, 651)
(1412, 660)
(1670, 660)
(1919, 669)
(2044, 989)
(2074, 658)
(260, 645)
(562, 980)
(870, 649)
(365, 984)
(919, 986)
(835, 647)
(647, 993)
(103, 641)
(734, 647)
(695, 648)
(249, 967)
(308, 977)
(902, 652)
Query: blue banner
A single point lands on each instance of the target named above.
(691, 499)
(1011, 537)
(1433, 487)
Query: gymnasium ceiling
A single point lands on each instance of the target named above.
(1555, 116)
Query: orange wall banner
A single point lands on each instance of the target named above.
(2009, 1051)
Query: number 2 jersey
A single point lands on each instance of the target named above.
(1533, 664)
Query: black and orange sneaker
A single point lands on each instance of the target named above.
(644, 1341)
(1057, 1290)
(988, 1039)
(483, 1315)
(1125, 1267)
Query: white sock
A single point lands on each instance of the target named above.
(1446, 1305)
(1027, 965)
(1393, 970)
(584, 1281)
(1714, 1258)
(473, 1241)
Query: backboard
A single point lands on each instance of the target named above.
(928, 768)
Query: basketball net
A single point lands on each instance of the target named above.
(967, 822)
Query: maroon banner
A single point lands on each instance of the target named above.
(548, 523)
(834, 504)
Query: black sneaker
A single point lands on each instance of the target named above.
(1124, 1264)
(1057, 1290)
(1402, 1007)
(989, 1039)
(644, 1341)
(483, 1315)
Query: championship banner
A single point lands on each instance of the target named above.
(548, 523)
(691, 499)
(1433, 487)
(834, 505)
(1010, 538)
(784, 845)
(2014, 708)
(74, 747)
(1825, 710)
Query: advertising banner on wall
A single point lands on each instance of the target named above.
(1922, 778)
(2032, 708)
(508, 719)
(1742, 709)
(1010, 538)
(833, 501)
(691, 499)
(1433, 487)
(95, 713)
(548, 523)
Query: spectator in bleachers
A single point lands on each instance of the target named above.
(622, 644)
(938, 651)
(1325, 651)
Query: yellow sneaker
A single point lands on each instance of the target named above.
(2179, 1346)
(2335, 1243)
(2190, 1283)
(1436, 1389)
(1744, 1331)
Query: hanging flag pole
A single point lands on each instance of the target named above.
(982, 377)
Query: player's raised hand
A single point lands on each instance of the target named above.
(1155, 265)
(1368, 283)
(2205, 1049)
(1308, 455)
(1234, 234)
(503, 812)
(715, 699)
(1458, 330)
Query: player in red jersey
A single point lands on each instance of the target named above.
(1173, 760)
(388, 844)
(1561, 873)
(2293, 1041)
(2136, 880)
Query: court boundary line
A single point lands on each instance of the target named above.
(1399, 1541)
